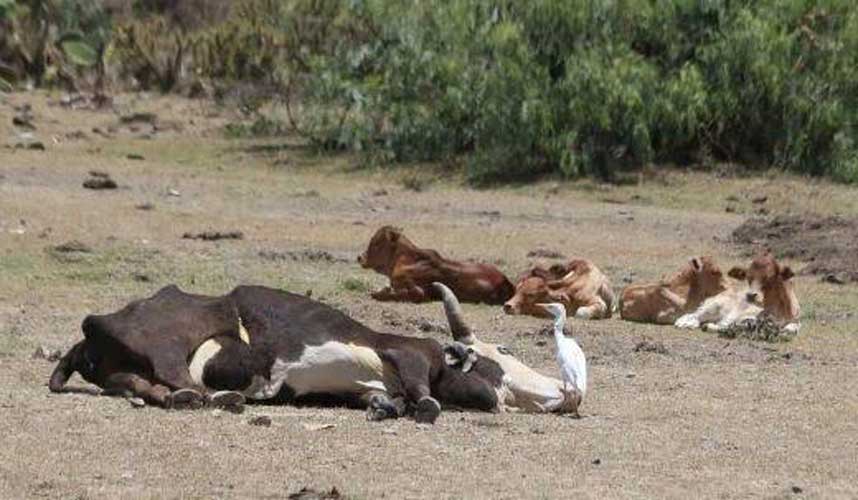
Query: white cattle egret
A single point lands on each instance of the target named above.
(570, 357)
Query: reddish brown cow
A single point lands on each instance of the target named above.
(412, 271)
(579, 285)
(665, 301)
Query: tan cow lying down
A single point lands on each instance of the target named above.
(769, 293)
(579, 285)
(412, 271)
(665, 301)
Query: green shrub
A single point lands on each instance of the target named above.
(590, 88)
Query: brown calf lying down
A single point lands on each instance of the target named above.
(768, 294)
(665, 301)
(412, 271)
(579, 285)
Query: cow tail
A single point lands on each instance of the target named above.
(65, 368)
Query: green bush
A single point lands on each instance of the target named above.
(590, 87)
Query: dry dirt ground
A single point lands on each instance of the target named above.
(669, 413)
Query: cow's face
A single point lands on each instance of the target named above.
(382, 247)
(522, 387)
(470, 380)
(769, 284)
(707, 277)
(534, 287)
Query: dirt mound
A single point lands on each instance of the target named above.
(828, 244)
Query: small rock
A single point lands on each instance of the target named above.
(797, 490)
(149, 118)
(545, 254)
(833, 278)
(141, 278)
(631, 375)
(24, 121)
(99, 183)
(318, 427)
(380, 192)
(145, 206)
(389, 431)
(173, 192)
(137, 402)
(597, 461)
(730, 209)
(135, 156)
(214, 235)
(72, 246)
(47, 354)
(311, 494)
(261, 420)
(760, 200)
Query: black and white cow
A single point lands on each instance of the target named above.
(287, 346)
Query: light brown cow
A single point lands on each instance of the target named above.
(769, 294)
(412, 271)
(579, 285)
(665, 301)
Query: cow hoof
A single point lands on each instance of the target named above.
(376, 414)
(186, 399)
(427, 411)
(380, 408)
(230, 401)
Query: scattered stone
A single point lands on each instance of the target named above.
(380, 192)
(101, 132)
(543, 253)
(47, 354)
(834, 278)
(489, 213)
(311, 494)
(389, 431)
(797, 490)
(260, 421)
(99, 180)
(24, 121)
(141, 278)
(759, 200)
(173, 192)
(32, 146)
(134, 156)
(73, 246)
(77, 135)
(597, 461)
(145, 206)
(214, 235)
(137, 402)
(732, 198)
(318, 427)
(647, 345)
(730, 209)
(312, 193)
(149, 118)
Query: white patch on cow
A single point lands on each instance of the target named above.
(207, 350)
(584, 313)
(523, 387)
(242, 332)
(331, 368)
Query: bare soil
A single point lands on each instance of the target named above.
(828, 244)
(668, 414)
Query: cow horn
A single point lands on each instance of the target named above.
(460, 330)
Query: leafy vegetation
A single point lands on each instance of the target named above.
(505, 90)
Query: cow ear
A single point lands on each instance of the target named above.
(737, 273)
(786, 273)
(459, 356)
(696, 264)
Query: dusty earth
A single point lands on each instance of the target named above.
(829, 244)
(669, 413)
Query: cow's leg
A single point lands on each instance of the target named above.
(65, 368)
(380, 406)
(130, 384)
(597, 309)
(413, 370)
(406, 293)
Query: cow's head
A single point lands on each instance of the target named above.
(770, 283)
(381, 250)
(704, 278)
(522, 387)
(539, 285)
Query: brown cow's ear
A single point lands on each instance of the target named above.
(786, 273)
(696, 264)
(737, 273)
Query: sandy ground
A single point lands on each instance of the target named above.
(697, 416)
